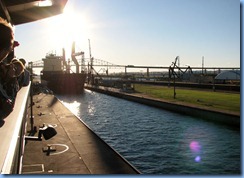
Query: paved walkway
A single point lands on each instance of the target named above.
(78, 149)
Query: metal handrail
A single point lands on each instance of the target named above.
(12, 133)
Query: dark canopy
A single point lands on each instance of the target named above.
(24, 11)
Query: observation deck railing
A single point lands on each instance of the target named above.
(12, 134)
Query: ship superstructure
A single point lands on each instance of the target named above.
(58, 75)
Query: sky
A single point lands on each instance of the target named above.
(139, 32)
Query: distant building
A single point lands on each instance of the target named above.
(232, 76)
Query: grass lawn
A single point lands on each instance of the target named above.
(216, 100)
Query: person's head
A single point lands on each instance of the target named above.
(19, 68)
(23, 61)
(13, 60)
(12, 70)
(6, 38)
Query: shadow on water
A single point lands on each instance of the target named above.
(70, 98)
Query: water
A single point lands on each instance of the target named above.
(156, 141)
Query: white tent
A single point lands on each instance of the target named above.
(229, 75)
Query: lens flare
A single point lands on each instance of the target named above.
(198, 158)
(195, 146)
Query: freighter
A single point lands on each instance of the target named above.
(59, 77)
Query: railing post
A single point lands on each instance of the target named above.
(33, 129)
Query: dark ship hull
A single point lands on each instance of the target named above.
(64, 83)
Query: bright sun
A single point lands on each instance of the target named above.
(63, 29)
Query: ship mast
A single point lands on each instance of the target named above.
(73, 57)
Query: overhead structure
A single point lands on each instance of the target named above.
(24, 11)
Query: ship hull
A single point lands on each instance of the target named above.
(64, 83)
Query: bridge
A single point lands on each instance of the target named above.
(103, 68)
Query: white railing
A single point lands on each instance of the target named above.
(12, 133)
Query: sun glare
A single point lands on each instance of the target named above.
(63, 29)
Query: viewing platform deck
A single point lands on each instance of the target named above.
(78, 149)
